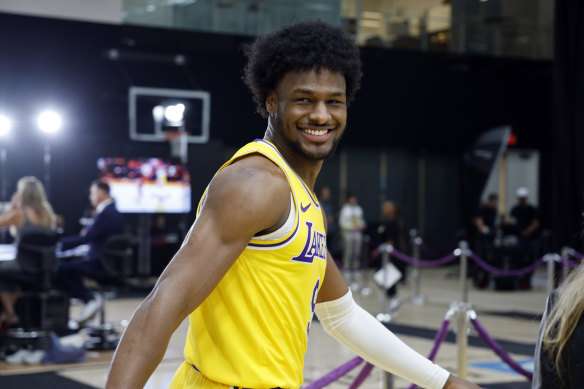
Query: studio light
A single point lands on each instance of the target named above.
(49, 121)
(5, 125)
(174, 113)
(158, 113)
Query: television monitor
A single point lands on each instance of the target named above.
(147, 185)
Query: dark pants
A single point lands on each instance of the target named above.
(71, 273)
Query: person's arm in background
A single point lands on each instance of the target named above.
(94, 231)
(243, 199)
(358, 330)
(13, 215)
(533, 226)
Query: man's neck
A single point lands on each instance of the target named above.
(104, 203)
(306, 168)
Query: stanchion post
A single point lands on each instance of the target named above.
(566, 253)
(387, 380)
(462, 339)
(417, 298)
(463, 246)
(551, 272)
(463, 308)
(384, 316)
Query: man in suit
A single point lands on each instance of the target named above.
(107, 221)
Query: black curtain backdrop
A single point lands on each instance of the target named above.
(568, 131)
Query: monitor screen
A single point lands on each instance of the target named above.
(147, 185)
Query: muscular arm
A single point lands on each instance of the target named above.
(235, 210)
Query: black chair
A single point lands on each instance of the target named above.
(38, 262)
(118, 264)
(41, 307)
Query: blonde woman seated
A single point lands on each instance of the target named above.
(29, 210)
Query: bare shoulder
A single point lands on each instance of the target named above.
(12, 216)
(252, 189)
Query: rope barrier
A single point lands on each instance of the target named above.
(482, 263)
(335, 374)
(498, 349)
(422, 263)
(442, 332)
(363, 374)
(452, 242)
(567, 262)
(506, 272)
(578, 256)
(440, 336)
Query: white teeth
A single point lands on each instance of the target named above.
(310, 131)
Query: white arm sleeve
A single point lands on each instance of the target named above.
(355, 328)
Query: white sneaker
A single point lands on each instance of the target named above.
(17, 357)
(394, 304)
(90, 309)
(34, 357)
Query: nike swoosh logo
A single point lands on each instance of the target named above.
(304, 209)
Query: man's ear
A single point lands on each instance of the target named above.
(271, 102)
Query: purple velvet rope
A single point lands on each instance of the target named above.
(335, 374)
(427, 249)
(423, 263)
(363, 374)
(499, 351)
(502, 272)
(571, 264)
(440, 336)
(434, 252)
(578, 256)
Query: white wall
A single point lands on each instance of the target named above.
(103, 11)
(521, 169)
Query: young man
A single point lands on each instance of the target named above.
(254, 267)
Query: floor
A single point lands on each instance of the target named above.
(511, 317)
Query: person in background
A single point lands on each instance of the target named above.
(524, 221)
(254, 267)
(486, 218)
(390, 229)
(486, 229)
(28, 211)
(352, 223)
(324, 198)
(558, 362)
(107, 221)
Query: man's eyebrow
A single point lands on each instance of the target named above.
(310, 92)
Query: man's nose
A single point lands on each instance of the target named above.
(320, 114)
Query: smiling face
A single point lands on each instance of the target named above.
(308, 112)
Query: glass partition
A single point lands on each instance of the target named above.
(513, 28)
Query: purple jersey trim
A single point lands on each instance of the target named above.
(285, 241)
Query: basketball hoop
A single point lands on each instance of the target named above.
(179, 141)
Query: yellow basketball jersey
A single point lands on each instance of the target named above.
(252, 330)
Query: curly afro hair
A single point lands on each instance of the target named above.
(297, 47)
